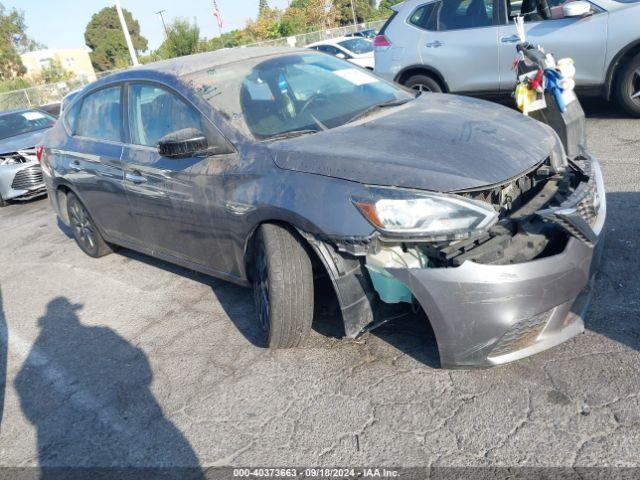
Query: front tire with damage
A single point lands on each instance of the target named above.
(282, 287)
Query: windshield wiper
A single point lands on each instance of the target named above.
(291, 134)
(368, 111)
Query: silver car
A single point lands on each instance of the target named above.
(469, 45)
(20, 171)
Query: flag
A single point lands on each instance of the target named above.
(218, 14)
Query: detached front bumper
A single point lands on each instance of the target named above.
(486, 315)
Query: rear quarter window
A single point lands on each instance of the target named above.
(387, 23)
(424, 17)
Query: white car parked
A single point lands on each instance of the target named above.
(356, 50)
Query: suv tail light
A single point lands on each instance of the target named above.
(39, 153)
(381, 41)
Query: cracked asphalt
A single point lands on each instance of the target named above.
(127, 360)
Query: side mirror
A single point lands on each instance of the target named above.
(341, 55)
(578, 8)
(183, 143)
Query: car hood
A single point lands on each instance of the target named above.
(21, 142)
(437, 142)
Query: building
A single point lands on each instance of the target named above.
(75, 60)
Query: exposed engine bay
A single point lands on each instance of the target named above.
(530, 226)
(21, 156)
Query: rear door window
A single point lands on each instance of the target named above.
(99, 115)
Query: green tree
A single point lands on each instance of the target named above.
(263, 7)
(13, 41)
(104, 37)
(183, 38)
(385, 7)
(363, 9)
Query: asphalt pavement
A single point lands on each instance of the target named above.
(130, 361)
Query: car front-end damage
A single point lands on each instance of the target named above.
(518, 284)
(20, 175)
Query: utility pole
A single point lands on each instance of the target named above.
(164, 25)
(355, 19)
(127, 37)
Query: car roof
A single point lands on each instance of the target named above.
(194, 63)
(331, 41)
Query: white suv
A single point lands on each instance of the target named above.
(469, 45)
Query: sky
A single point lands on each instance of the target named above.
(61, 23)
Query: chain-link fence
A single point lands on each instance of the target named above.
(39, 95)
(305, 39)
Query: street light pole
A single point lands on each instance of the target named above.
(353, 11)
(164, 25)
(127, 37)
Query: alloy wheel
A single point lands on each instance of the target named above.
(261, 289)
(421, 88)
(82, 226)
(634, 92)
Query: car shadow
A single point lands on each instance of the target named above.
(615, 307)
(87, 392)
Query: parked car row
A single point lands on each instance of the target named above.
(358, 51)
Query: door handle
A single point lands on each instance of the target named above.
(510, 39)
(435, 44)
(135, 177)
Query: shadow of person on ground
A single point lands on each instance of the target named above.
(4, 339)
(87, 392)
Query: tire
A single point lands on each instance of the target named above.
(3, 203)
(423, 83)
(628, 85)
(85, 232)
(282, 287)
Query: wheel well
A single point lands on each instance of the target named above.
(409, 72)
(249, 251)
(61, 199)
(617, 66)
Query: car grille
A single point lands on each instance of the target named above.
(28, 178)
(522, 335)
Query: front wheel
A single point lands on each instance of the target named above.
(85, 232)
(282, 287)
(627, 87)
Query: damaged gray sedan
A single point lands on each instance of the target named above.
(265, 166)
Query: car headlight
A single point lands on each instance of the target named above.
(432, 216)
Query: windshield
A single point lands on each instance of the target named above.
(17, 123)
(357, 45)
(268, 97)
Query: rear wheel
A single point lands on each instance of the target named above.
(84, 229)
(3, 203)
(627, 87)
(282, 287)
(423, 83)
